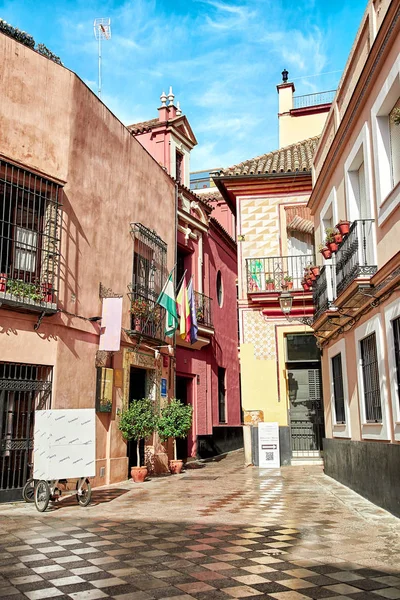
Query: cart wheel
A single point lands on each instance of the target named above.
(42, 495)
(28, 491)
(86, 492)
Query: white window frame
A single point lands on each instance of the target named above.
(392, 311)
(362, 144)
(330, 205)
(373, 431)
(388, 197)
(339, 430)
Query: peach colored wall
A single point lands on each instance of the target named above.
(51, 122)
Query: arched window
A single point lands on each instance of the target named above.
(220, 292)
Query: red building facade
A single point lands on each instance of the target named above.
(207, 372)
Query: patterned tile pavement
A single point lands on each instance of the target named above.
(219, 532)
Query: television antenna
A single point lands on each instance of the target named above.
(102, 31)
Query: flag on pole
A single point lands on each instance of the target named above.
(192, 305)
(185, 320)
(166, 299)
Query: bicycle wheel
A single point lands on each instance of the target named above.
(84, 495)
(42, 495)
(28, 491)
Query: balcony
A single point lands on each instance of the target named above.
(276, 273)
(323, 290)
(203, 310)
(309, 100)
(355, 256)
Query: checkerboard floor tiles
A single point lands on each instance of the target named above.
(220, 532)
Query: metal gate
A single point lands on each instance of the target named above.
(306, 412)
(23, 389)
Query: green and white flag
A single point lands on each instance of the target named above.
(166, 299)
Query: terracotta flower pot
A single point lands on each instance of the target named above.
(333, 247)
(344, 227)
(3, 282)
(270, 287)
(305, 285)
(326, 253)
(315, 271)
(175, 466)
(309, 281)
(312, 276)
(288, 285)
(338, 238)
(139, 474)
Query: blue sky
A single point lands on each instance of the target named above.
(223, 59)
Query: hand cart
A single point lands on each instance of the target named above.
(64, 444)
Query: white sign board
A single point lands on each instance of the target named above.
(268, 445)
(64, 444)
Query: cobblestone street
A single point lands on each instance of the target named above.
(219, 531)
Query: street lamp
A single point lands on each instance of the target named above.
(286, 303)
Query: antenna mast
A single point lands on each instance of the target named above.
(102, 30)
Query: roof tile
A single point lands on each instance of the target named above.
(296, 157)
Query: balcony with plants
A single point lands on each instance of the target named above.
(203, 311)
(29, 241)
(272, 275)
(350, 257)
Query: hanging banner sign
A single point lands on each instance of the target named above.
(163, 387)
(111, 322)
(268, 445)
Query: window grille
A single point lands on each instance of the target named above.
(148, 278)
(179, 167)
(396, 335)
(394, 130)
(370, 372)
(338, 389)
(29, 236)
(221, 395)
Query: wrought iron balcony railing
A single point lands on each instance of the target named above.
(313, 99)
(275, 273)
(203, 309)
(147, 317)
(355, 255)
(323, 290)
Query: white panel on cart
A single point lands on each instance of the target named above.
(64, 444)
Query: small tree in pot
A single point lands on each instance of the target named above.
(137, 423)
(175, 422)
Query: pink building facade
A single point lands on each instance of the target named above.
(207, 372)
(82, 205)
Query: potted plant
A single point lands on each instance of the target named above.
(315, 270)
(3, 282)
(139, 310)
(305, 286)
(200, 314)
(330, 239)
(175, 422)
(138, 422)
(270, 284)
(343, 227)
(22, 289)
(326, 253)
(288, 282)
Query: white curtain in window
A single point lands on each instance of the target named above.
(25, 250)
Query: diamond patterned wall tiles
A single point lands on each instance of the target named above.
(261, 334)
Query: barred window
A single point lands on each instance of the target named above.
(338, 388)
(370, 372)
(148, 277)
(29, 235)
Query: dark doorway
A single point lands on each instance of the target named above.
(137, 390)
(182, 395)
(306, 410)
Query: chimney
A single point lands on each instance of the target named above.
(285, 90)
(163, 110)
